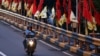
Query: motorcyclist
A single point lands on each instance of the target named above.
(29, 33)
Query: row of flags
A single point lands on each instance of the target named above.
(39, 8)
(60, 10)
(11, 4)
(87, 10)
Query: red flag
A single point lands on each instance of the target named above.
(29, 2)
(92, 5)
(25, 0)
(69, 11)
(9, 6)
(58, 11)
(96, 14)
(79, 11)
(40, 6)
(16, 1)
(19, 5)
(34, 7)
(86, 12)
(64, 6)
(9, 1)
(0, 2)
(19, 1)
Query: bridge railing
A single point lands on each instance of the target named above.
(75, 42)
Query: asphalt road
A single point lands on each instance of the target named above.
(11, 44)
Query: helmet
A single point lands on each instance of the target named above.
(29, 27)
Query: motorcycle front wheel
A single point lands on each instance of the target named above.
(29, 54)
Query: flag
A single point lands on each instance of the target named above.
(79, 12)
(91, 26)
(29, 12)
(51, 16)
(34, 9)
(62, 20)
(73, 18)
(58, 11)
(9, 6)
(87, 16)
(19, 5)
(43, 13)
(14, 5)
(40, 6)
(96, 14)
(29, 3)
(3, 2)
(0, 2)
(25, 4)
(69, 12)
(6, 3)
(86, 12)
(29, 8)
(64, 14)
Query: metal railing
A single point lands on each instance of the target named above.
(72, 41)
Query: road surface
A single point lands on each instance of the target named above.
(11, 43)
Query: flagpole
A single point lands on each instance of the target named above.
(79, 25)
(75, 30)
(77, 14)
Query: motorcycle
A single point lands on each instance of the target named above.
(31, 46)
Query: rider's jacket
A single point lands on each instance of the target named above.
(29, 33)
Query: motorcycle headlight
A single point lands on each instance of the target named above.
(31, 43)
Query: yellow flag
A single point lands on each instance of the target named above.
(29, 12)
(43, 13)
(62, 20)
(3, 2)
(14, 6)
(53, 13)
(6, 4)
(37, 14)
(25, 5)
(19, 6)
(92, 25)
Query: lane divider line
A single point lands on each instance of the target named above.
(49, 45)
(15, 28)
(11, 26)
(5, 22)
(1, 53)
(55, 48)
(67, 53)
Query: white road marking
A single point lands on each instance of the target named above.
(5, 22)
(49, 45)
(15, 28)
(67, 53)
(55, 48)
(1, 53)
(11, 26)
